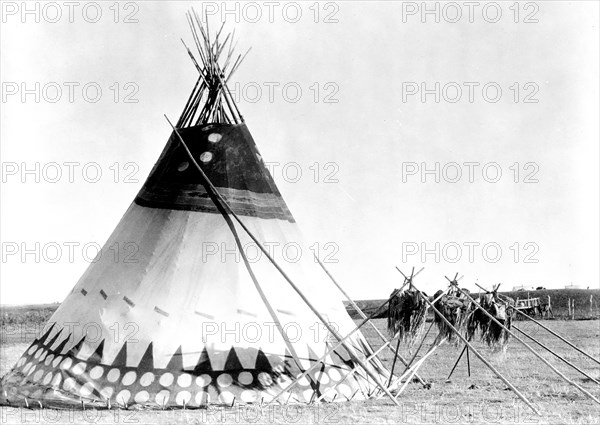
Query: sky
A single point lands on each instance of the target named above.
(468, 145)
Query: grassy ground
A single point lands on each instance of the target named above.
(479, 399)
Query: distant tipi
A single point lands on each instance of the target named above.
(200, 314)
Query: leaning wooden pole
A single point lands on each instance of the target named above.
(456, 363)
(535, 353)
(341, 340)
(556, 355)
(364, 316)
(558, 336)
(480, 357)
(394, 362)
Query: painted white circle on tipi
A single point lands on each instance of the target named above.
(113, 375)
(56, 380)
(308, 395)
(21, 362)
(249, 396)
(56, 361)
(86, 389)
(226, 397)
(206, 157)
(38, 375)
(38, 353)
(47, 378)
(323, 379)
(184, 380)
(183, 397)
(202, 398)
(334, 374)
(66, 363)
(304, 382)
(107, 392)
(166, 379)
(224, 380)
(214, 137)
(162, 397)
(245, 378)
(183, 166)
(123, 397)
(129, 378)
(146, 379)
(43, 356)
(265, 379)
(32, 349)
(79, 368)
(69, 384)
(96, 372)
(31, 370)
(141, 397)
(49, 359)
(203, 380)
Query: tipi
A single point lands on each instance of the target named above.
(200, 314)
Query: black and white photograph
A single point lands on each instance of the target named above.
(300, 212)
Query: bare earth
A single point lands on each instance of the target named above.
(479, 399)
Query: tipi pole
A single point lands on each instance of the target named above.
(480, 357)
(364, 316)
(457, 360)
(558, 336)
(468, 363)
(558, 372)
(394, 362)
(224, 203)
(556, 355)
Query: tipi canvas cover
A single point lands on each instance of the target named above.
(199, 315)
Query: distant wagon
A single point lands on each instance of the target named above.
(529, 306)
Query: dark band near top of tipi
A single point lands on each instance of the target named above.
(231, 161)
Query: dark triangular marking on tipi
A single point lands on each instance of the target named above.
(44, 337)
(96, 356)
(290, 363)
(176, 362)
(203, 364)
(53, 340)
(232, 362)
(74, 351)
(121, 359)
(62, 345)
(312, 356)
(262, 362)
(147, 361)
(348, 363)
